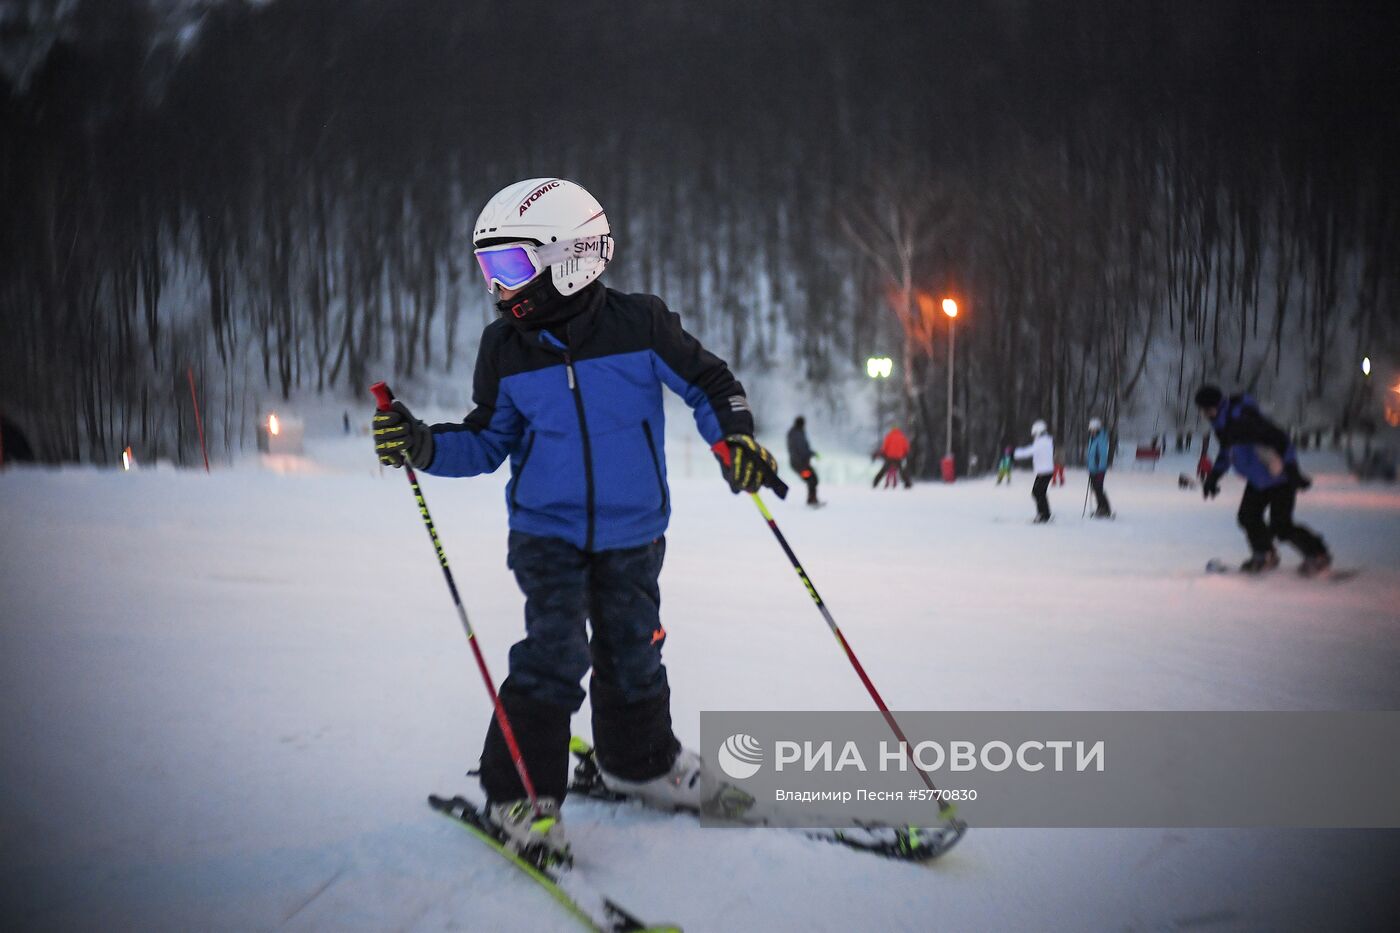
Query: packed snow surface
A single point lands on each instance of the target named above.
(225, 697)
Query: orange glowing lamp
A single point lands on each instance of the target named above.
(950, 307)
(274, 427)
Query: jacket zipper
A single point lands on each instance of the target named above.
(520, 473)
(655, 464)
(587, 445)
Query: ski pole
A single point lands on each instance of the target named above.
(385, 399)
(1088, 484)
(943, 805)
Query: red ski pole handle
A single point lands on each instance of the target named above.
(382, 395)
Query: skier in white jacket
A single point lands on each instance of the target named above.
(1041, 452)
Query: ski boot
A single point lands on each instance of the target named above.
(677, 789)
(535, 833)
(1260, 561)
(684, 787)
(1041, 520)
(1316, 564)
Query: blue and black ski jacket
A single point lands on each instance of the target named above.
(1096, 454)
(1246, 440)
(581, 418)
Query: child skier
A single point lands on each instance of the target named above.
(894, 449)
(801, 455)
(1261, 452)
(1096, 459)
(568, 387)
(1004, 467)
(1041, 452)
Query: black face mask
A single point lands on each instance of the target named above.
(539, 304)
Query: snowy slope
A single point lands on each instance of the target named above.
(216, 718)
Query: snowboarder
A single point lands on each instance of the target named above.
(894, 449)
(1004, 467)
(1260, 451)
(801, 455)
(1041, 452)
(1096, 460)
(568, 387)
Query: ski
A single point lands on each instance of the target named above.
(901, 843)
(567, 886)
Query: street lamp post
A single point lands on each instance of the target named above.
(1365, 407)
(950, 308)
(879, 369)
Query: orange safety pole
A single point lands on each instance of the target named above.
(198, 422)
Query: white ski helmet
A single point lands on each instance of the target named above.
(558, 216)
(1038, 428)
(1095, 424)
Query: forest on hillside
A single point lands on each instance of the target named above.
(1124, 199)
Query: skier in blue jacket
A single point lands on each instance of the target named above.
(1261, 452)
(568, 387)
(1096, 460)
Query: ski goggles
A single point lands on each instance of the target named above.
(511, 265)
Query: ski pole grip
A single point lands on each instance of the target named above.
(382, 395)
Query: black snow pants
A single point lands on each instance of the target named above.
(890, 468)
(809, 476)
(567, 589)
(1279, 501)
(1042, 502)
(1096, 482)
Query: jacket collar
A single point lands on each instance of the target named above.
(557, 313)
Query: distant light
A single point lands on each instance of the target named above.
(274, 427)
(879, 367)
(1366, 366)
(950, 307)
(126, 459)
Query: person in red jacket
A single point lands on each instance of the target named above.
(895, 450)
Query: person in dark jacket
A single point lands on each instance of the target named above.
(568, 388)
(1261, 452)
(801, 455)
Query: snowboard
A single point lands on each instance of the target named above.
(1217, 565)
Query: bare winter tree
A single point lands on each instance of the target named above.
(895, 221)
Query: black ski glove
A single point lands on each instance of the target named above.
(1211, 487)
(1296, 476)
(397, 434)
(746, 465)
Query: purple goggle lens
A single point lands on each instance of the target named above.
(511, 266)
